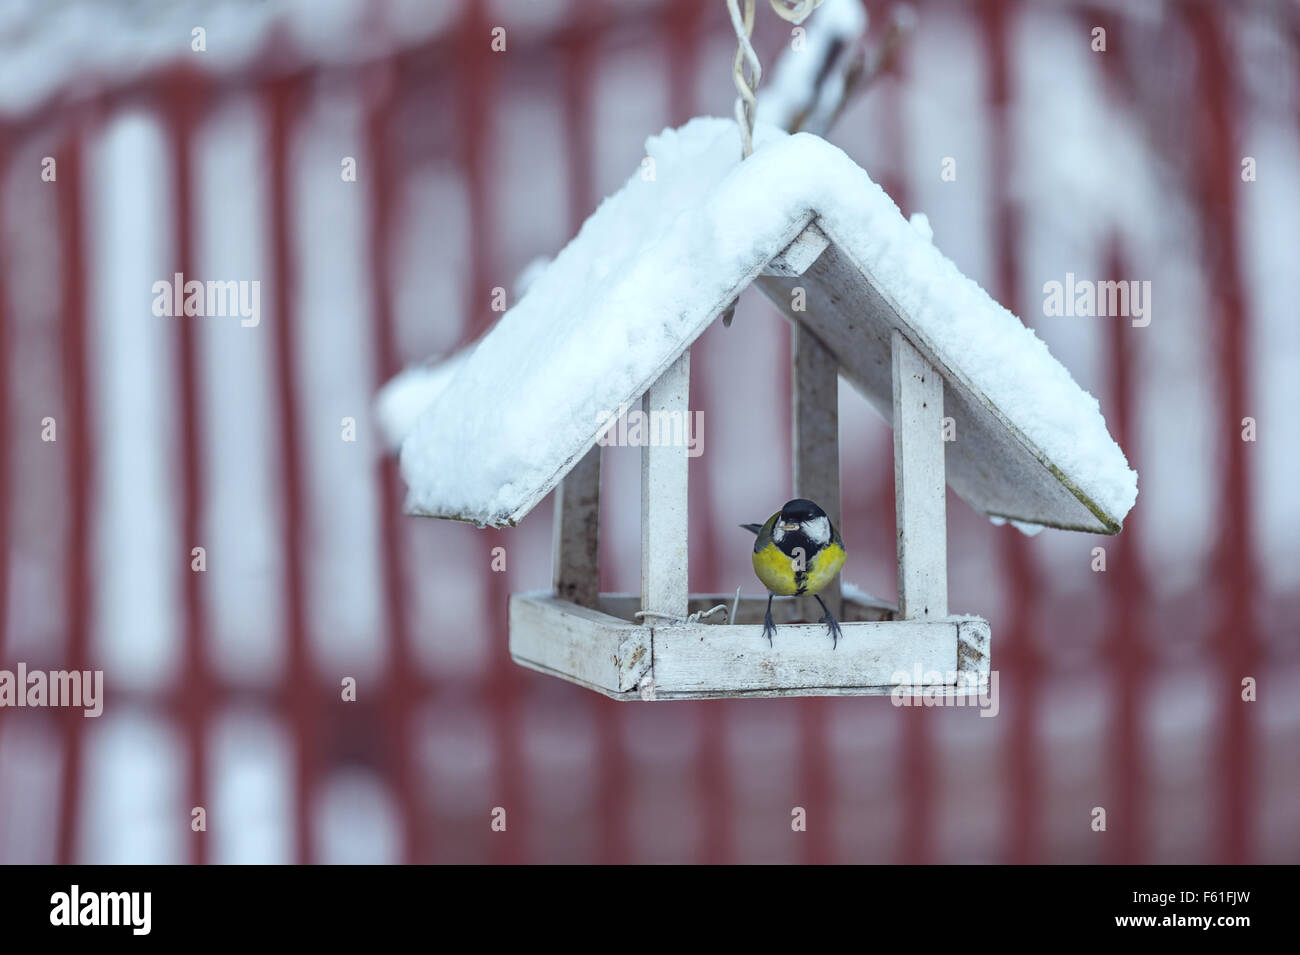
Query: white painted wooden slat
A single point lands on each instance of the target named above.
(973, 638)
(919, 484)
(577, 643)
(664, 527)
(576, 567)
(815, 442)
(799, 254)
(724, 660)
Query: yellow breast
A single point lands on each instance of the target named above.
(823, 567)
(779, 573)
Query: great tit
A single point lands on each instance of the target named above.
(797, 553)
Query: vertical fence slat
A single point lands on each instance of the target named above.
(477, 96)
(1018, 665)
(1126, 820)
(401, 693)
(184, 96)
(1235, 637)
(76, 433)
(10, 460)
(300, 689)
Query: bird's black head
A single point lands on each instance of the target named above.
(799, 510)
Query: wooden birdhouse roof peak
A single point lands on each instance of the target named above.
(661, 259)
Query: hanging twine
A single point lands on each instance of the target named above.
(747, 72)
(673, 618)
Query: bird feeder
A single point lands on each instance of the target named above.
(975, 400)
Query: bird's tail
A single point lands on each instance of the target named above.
(752, 528)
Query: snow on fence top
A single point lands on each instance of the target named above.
(48, 48)
(660, 260)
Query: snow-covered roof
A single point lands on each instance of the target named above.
(662, 258)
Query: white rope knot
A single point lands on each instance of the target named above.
(746, 71)
(796, 11)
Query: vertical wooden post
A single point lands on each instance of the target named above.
(816, 440)
(919, 485)
(576, 564)
(663, 496)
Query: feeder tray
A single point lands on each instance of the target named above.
(607, 650)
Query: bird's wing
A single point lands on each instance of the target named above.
(762, 532)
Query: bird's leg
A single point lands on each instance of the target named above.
(769, 626)
(832, 626)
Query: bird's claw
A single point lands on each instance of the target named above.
(833, 628)
(769, 627)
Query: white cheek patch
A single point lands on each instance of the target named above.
(778, 534)
(818, 530)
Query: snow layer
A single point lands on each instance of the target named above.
(402, 400)
(644, 277)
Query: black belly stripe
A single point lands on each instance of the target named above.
(798, 539)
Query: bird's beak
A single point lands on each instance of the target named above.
(789, 527)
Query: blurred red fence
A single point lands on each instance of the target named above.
(1120, 689)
